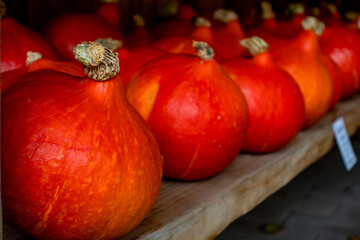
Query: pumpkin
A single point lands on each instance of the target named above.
(179, 25)
(228, 35)
(336, 76)
(184, 44)
(275, 103)
(271, 28)
(342, 46)
(66, 31)
(139, 37)
(16, 41)
(109, 11)
(196, 112)
(78, 162)
(301, 58)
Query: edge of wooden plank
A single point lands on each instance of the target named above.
(208, 219)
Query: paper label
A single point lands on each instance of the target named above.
(344, 144)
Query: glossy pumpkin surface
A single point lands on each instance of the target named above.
(275, 102)
(196, 112)
(78, 162)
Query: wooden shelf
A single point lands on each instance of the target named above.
(201, 210)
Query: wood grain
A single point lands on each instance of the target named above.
(201, 210)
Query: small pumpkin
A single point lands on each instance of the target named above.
(78, 162)
(275, 103)
(196, 112)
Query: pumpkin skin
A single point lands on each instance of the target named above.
(196, 112)
(132, 59)
(78, 162)
(66, 31)
(337, 78)
(301, 58)
(227, 37)
(342, 46)
(10, 77)
(16, 41)
(109, 11)
(275, 103)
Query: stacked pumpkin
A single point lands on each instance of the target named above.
(85, 144)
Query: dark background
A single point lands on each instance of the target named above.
(36, 13)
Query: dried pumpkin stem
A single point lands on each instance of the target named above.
(201, 22)
(311, 23)
(330, 6)
(32, 57)
(203, 50)
(2, 10)
(138, 20)
(255, 45)
(267, 10)
(100, 63)
(109, 1)
(112, 44)
(224, 15)
(295, 8)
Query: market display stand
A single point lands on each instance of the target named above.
(201, 210)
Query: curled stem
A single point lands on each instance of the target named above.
(100, 63)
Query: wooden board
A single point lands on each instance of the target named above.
(201, 210)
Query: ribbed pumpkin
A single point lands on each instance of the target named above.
(301, 58)
(196, 112)
(275, 103)
(78, 162)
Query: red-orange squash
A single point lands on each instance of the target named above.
(342, 46)
(301, 58)
(196, 112)
(78, 162)
(17, 41)
(66, 31)
(275, 103)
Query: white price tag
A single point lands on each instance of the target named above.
(344, 144)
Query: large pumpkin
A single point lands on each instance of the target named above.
(78, 162)
(196, 112)
(275, 102)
